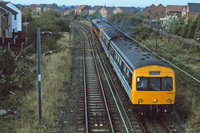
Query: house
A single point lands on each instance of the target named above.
(155, 12)
(158, 12)
(32, 7)
(193, 10)
(67, 12)
(94, 9)
(148, 10)
(184, 12)
(16, 23)
(40, 8)
(8, 20)
(123, 9)
(81, 8)
(50, 7)
(85, 12)
(174, 9)
(105, 11)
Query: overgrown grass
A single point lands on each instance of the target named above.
(55, 74)
(187, 89)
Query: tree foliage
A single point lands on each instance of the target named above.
(189, 29)
(26, 15)
(96, 15)
(171, 24)
(131, 24)
(7, 67)
(48, 21)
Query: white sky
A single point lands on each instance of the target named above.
(128, 3)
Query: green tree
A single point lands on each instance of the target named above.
(96, 15)
(26, 15)
(7, 62)
(191, 29)
(48, 21)
(171, 24)
(142, 31)
(184, 30)
(197, 31)
(7, 67)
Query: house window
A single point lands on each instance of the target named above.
(15, 17)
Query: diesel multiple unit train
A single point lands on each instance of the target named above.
(148, 82)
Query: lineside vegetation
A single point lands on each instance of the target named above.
(21, 101)
(182, 55)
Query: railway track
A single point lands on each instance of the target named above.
(106, 95)
(96, 111)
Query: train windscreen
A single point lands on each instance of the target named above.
(154, 84)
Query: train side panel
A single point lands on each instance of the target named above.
(112, 55)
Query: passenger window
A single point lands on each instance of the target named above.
(167, 84)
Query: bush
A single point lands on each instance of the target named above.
(7, 68)
(142, 31)
(48, 21)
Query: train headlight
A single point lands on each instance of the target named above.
(140, 100)
(155, 100)
(169, 100)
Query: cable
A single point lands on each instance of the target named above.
(157, 55)
(50, 52)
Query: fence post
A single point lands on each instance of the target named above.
(26, 41)
(14, 40)
(22, 46)
(3, 40)
(9, 46)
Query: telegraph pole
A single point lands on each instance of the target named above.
(39, 75)
(70, 27)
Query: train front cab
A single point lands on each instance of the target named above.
(153, 90)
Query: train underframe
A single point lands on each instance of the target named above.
(153, 110)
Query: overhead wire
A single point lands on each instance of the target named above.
(156, 54)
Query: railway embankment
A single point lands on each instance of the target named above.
(21, 106)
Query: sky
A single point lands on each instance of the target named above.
(127, 3)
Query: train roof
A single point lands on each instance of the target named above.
(110, 32)
(100, 23)
(135, 56)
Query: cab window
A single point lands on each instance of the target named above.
(142, 84)
(167, 84)
(154, 84)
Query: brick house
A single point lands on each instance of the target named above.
(173, 9)
(33, 7)
(148, 10)
(81, 8)
(40, 8)
(105, 11)
(158, 12)
(50, 7)
(94, 9)
(123, 9)
(155, 12)
(67, 12)
(192, 11)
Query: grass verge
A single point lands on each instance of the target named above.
(55, 76)
(187, 89)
